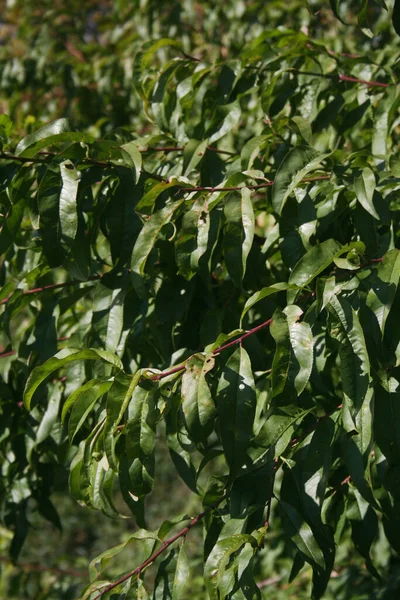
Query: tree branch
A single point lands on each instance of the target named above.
(164, 546)
(238, 340)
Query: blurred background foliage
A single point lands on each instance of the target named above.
(75, 60)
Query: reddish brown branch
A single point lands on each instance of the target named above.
(53, 286)
(257, 186)
(181, 149)
(234, 342)
(363, 81)
(164, 546)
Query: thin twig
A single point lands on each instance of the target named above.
(250, 187)
(53, 286)
(234, 342)
(181, 149)
(165, 545)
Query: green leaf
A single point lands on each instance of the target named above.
(144, 58)
(364, 525)
(294, 167)
(193, 240)
(193, 154)
(264, 293)
(228, 116)
(55, 128)
(236, 405)
(53, 134)
(140, 436)
(49, 224)
(383, 290)
(108, 315)
(68, 200)
(94, 384)
(119, 396)
(149, 234)
(62, 358)
(197, 402)
(278, 429)
(218, 560)
(238, 234)
(335, 6)
(178, 444)
(82, 402)
(358, 395)
(133, 157)
(182, 574)
(50, 416)
(302, 535)
(316, 260)
(364, 187)
(293, 360)
(396, 16)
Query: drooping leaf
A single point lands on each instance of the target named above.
(238, 234)
(148, 236)
(218, 559)
(293, 360)
(316, 260)
(383, 290)
(68, 200)
(294, 167)
(197, 402)
(62, 358)
(236, 405)
(364, 186)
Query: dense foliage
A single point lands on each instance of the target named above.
(200, 252)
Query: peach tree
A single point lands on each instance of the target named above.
(216, 264)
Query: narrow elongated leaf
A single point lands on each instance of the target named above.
(108, 316)
(236, 404)
(119, 396)
(317, 259)
(68, 200)
(277, 431)
(197, 402)
(50, 416)
(61, 359)
(144, 57)
(182, 574)
(264, 293)
(238, 234)
(296, 164)
(93, 383)
(364, 186)
(140, 437)
(293, 360)
(54, 128)
(382, 293)
(218, 559)
(83, 403)
(229, 114)
(49, 219)
(358, 394)
(396, 17)
(193, 241)
(149, 234)
(134, 157)
(62, 139)
(302, 535)
(193, 154)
